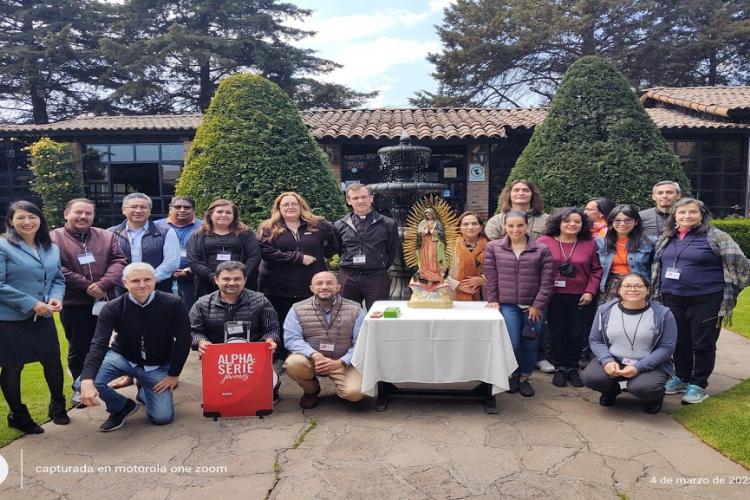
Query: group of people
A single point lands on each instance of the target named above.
(135, 298)
(663, 279)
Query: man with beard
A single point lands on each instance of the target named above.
(664, 194)
(321, 333)
(234, 311)
(92, 264)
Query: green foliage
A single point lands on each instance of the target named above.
(738, 229)
(253, 145)
(497, 53)
(56, 179)
(597, 140)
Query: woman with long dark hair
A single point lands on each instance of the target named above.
(624, 249)
(222, 237)
(698, 272)
(295, 243)
(465, 275)
(31, 290)
(577, 276)
(524, 196)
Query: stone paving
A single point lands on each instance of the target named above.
(559, 444)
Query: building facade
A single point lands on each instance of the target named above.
(473, 150)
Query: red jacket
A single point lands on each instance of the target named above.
(106, 271)
(526, 280)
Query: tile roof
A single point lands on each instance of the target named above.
(720, 101)
(421, 123)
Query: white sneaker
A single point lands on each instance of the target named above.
(545, 366)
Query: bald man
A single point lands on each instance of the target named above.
(321, 332)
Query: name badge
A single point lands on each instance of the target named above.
(628, 361)
(324, 346)
(223, 256)
(98, 306)
(183, 253)
(560, 283)
(623, 385)
(672, 273)
(234, 327)
(359, 259)
(86, 258)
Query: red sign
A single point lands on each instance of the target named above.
(237, 380)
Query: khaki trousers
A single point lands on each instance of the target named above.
(348, 381)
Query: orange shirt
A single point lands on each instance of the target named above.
(620, 262)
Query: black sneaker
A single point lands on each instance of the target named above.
(276, 396)
(652, 408)
(22, 421)
(513, 384)
(57, 411)
(117, 420)
(607, 399)
(560, 378)
(574, 378)
(524, 387)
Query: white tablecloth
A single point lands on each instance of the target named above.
(465, 343)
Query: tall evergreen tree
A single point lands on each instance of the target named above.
(597, 140)
(176, 51)
(499, 52)
(49, 65)
(251, 146)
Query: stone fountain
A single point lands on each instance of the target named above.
(402, 167)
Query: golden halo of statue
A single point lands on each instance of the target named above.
(447, 217)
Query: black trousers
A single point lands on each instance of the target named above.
(282, 305)
(79, 325)
(566, 323)
(697, 332)
(646, 386)
(367, 287)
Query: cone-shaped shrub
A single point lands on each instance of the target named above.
(597, 140)
(253, 145)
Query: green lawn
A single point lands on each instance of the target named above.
(722, 421)
(34, 392)
(741, 316)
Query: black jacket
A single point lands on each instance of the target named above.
(379, 244)
(202, 250)
(163, 324)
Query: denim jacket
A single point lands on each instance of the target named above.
(638, 261)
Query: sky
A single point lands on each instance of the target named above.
(382, 45)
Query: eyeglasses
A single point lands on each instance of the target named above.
(626, 222)
(289, 205)
(182, 207)
(633, 287)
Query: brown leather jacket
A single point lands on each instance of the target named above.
(105, 271)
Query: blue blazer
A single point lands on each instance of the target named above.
(26, 279)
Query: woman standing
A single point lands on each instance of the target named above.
(524, 196)
(295, 243)
(221, 237)
(465, 275)
(577, 277)
(598, 211)
(520, 282)
(698, 272)
(633, 341)
(31, 290)
(625, 249)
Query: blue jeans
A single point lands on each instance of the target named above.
(159, 407)
(525, 350)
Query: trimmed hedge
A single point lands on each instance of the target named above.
(56, 179)
(253, 145)
(738, 229)
(597, 140)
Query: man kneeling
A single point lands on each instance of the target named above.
(321, 333)
(151, 345)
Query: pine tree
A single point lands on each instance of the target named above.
(253, 145)
(597, 140)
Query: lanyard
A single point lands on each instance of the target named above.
(684, 247)
(635, 333)
(327, 326)
(562, 252)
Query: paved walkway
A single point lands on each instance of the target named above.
(559, 444)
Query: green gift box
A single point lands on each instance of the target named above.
(392, 312)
